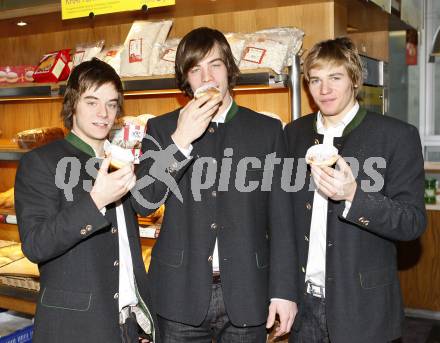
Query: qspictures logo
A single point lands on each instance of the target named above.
(159, 167)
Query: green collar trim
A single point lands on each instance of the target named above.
(80, 144)
(232, 112)
(360, 115)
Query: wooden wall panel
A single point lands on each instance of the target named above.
(419, 265)
(7, 174)
(17, 116)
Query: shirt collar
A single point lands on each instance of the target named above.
(221, 117)
(339, 126)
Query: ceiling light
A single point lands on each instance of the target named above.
(21, 23)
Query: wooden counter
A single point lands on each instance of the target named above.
(419, 267)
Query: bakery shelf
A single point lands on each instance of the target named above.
(153, 85)
(28, 91)
(11, 154)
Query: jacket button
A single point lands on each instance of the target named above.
(329, 244)
(303, 269)
(306, 238)
(116, 263)
(210, 258)
(116, 296)
(308, 206)
(83, 232)
(214, 226)
(211, 130)
(316, 141)
(114, 230)
(89, 228)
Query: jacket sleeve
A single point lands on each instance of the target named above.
(48, 227)
(397, 211)
(283, 252)
(160, 170)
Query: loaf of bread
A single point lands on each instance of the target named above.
(33, 138)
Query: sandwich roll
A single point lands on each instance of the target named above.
(322, 155)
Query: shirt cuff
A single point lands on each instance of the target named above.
(278, 299)
(185, 152)
(346, 209)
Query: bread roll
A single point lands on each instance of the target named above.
(33, 138)
(208, 89)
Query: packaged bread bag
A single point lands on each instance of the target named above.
(167, 57)
(138, 46)
(86, 51)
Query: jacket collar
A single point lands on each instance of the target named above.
(80, 144)
(354, 123)
(232, 112)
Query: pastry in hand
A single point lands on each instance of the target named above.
(208, 89)
(119, 156)
(322, 155)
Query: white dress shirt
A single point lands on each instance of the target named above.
(219, 118)
(315, 271)
(127, 292)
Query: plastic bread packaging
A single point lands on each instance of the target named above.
(322, 155)
(263, 51)
(160, 40)
(86, 51)
(128, 131)
(290, 36)
(112, 56)
(17, 74)
(167, 57)
(237, 42)
(33, 138)
(138, 46)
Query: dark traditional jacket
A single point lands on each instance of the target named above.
(254, 232)
(75, 246)
(363, 298)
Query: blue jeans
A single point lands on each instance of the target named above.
(216, 325)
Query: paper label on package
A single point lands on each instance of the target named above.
(135, 50)
(58, 68)
(254, 55)
(133, 132)
(170, 55)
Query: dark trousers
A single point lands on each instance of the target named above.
(131, 332)
(216, 326)
(313, 327)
